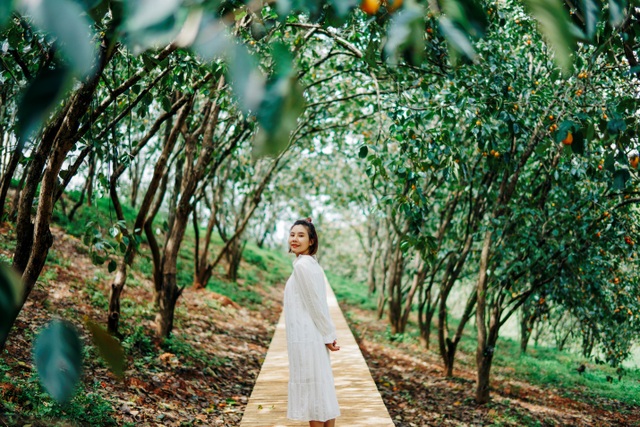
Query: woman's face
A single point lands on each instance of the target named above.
(299, 240)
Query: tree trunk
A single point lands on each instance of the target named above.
(42, 237)
(85, 189)
(448, 346)
(484, 351)
(175, 193)
(526, 325)
(114, 298)
(484, 373)
(16, 199)
(234, 256)
(169, 292)
(135, 174)
(5, 183)
(418, 280)
(426, 310)
(159, 173)
(93, 165)
(394, 289)
(425, 328)
(167, 299)
(204, 269)
(24, 223)
(371, 268)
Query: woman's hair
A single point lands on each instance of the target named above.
(311, 230)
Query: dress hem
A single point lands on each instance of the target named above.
(307, 419)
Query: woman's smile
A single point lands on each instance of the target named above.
(299, 240)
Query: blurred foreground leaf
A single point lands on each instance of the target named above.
(10, 299)
(556, 27)
(616, 12)
(39, 99)
(58, 359)
(278, 116)
(68, 23)
(153, 23)
(282, 104)
(108, 346)
(6, 7)
(405, 36)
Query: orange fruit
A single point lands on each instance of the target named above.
(634, 162)
(568, 140)
(370, 7)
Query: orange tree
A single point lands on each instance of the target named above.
(82, 38)
(529, 167)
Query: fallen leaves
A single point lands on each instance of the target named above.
(205, 380)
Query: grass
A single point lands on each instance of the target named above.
(242, 295)
(29, 399)
(351, 293)
(543, 366)
(101, 213)
(262, 268)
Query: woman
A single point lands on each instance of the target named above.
(310, 333)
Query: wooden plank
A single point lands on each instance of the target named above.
(360, 402)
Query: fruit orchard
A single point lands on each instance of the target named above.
(476, 147)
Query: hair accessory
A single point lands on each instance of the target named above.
(308, 219)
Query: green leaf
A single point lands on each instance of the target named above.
(364, 151)
(39, 99)
(556, 27)
(213, 39)
(620, 178)
(68, 23)
(58, 359)
(99, 8)
(406, 35)
(591, 12)
(616, 125)
(278, 116)
(144, 14)
(153, 23)
(112, 266)
(616, 12)
(610, 162)
(245, 77)
(282, 104)
(6, 8)
(457, 39)
(10, 299)
(343, 7)
(468, 15)
(578, 144)
(284, 7)
(257, 30)
(108, 346)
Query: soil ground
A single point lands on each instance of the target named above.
(206, 376)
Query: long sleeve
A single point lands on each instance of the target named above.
(309, 283)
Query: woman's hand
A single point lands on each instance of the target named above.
(333, 346)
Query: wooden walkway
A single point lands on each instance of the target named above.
(360, 402)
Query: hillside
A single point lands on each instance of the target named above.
(204, 374)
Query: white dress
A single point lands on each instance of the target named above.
(312, 393)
